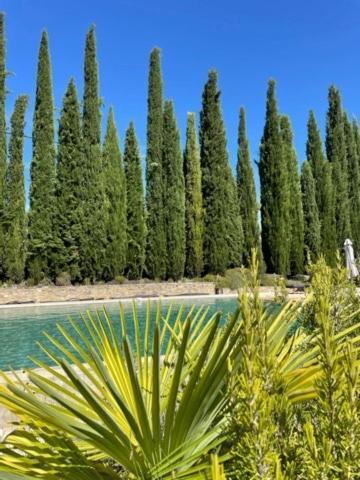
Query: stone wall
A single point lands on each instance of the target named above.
(102, 292)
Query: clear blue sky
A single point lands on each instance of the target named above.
(304, 45)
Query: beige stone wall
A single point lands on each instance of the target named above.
(102, 292)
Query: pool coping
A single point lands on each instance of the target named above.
(116, 300)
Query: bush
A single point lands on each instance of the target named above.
(234, 278)
(63, 279)
(120, 279)
(210, 277)
(269, 279)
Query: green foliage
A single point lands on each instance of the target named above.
(275, 198)
(92, 248)
(316, 159)
(115, 203)
(136, 227)
(312, 236)
(296, 214)
(353, 158)
(259, 409)
(63, 279)
(3, 146)
(332, 432)
(334, 283)
(246, 192)
(174, 195)
(153, 410)
(234, 278)
(42, 189)
(15, 196)
(223, 235)
(280, 290)
(328, 224)
(336, 154)
(120, 279)
(69, 179)
(194, 213)
(272, 435)
(156, 236)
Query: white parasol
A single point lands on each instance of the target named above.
(351, 267)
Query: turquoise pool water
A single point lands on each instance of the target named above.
(22, 327)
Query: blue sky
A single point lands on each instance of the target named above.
(304, 45)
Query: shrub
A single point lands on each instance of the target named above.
(210, 277)
(63, 279)
(30, 282)
(280, 291)
(234, 278)
(120, 279)
(269, 279)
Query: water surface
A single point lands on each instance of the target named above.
(21, 328)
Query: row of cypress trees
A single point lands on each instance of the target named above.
(302, 218)
(90, 220)
(85, 221)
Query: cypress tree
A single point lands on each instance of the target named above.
(3, 146)
(93, 235)
(222, 222)
(336, 154)
(194, 214)
(315, 157)
(311, 217)
(174, 194)
(156, 236)
(234, 223)
(115, 198)
(353, 181)
(15, 196)
(296, 218)
(69, 208)
(274, 191)
(136, 225)
(42, 190)
(328, 226)
(246, 192)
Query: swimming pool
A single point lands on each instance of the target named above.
(22, 327)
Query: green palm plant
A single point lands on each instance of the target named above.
(152, 410)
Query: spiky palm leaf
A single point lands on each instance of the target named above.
(152, 414)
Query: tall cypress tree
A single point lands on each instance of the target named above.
(234, 223)
(274, 191)
(156, 236)
(2, 144)
(246, 192)
(15, 196)
(92, 248)
(194, 214)
(69, 207)
(42, 190)
(311, 217)
(174, 194)
(296, 217)
(336, 154)
(353, 181)
(136, 225)
(222, 223)
(328, 225)
(315, 157)
(115, 198)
